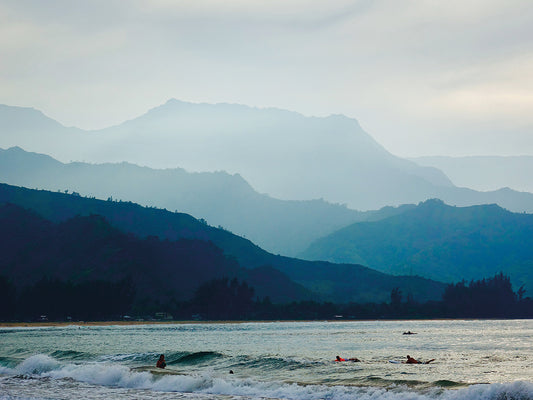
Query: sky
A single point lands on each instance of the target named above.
(422, 77)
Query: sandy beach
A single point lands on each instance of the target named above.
(87, 323)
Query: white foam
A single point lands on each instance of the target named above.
(104, 374)
(510, 391)
(37, 364)
(113, 375)
(5, 371)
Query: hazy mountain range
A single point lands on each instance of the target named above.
(282, 153)
(281, 226)
(282, 278)
(438, 241)
(485, 172)
(289, 156)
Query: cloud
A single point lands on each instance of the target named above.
(419, 75)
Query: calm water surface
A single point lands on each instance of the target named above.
(280, 360)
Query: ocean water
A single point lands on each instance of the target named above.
(474, 360)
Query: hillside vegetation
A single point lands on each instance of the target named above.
(88, 249)
(279, 226)
(332, 282)
(440, 242)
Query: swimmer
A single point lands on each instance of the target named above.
(161, 362)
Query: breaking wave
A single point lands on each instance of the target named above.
(111, 374)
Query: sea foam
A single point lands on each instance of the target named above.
(208, 383)
(37, 364)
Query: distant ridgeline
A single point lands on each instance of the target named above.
(280, 226)
(169, 254)
(85, 268)
(439, 242)
(277, 153)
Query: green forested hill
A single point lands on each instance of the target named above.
(280, 226)
(440, 242)
(338, 283)
(88, 249)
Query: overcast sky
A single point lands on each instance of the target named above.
(422, 77)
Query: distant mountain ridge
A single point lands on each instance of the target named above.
(438, 241)
(281, 226)
(88, 248)
(30, 128)
(332, 282)
(282, 153)
(485, 172)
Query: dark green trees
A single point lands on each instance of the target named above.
(493, 297)
(222, 299)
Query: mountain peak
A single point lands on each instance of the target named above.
(434, 203)
(14, 117)
(174, 104)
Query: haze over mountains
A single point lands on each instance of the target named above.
(281, 278)
(281, 226)
(485, 172)
(282, 153)
(438, 241)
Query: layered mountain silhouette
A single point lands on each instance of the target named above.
(281, 226)
(282, 278)
(485, 172)
(282, 153)
(438, 241)
(88, 248)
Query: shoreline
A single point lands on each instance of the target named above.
(40, 324)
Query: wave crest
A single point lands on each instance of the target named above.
(37, 364)
(116, 375)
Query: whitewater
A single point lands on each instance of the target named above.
(474, 360)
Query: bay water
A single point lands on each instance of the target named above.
(473, 359)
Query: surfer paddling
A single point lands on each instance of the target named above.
(161, 362)
(411, 360)
(355, 359)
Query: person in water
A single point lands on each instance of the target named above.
(411, 360)
(355, 359)
(161, 362)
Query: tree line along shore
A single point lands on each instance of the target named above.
(49, 301)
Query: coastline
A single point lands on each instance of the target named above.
(39, 324)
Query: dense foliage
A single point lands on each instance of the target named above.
(224, 299)
(439, 242)
(89, 249)
(301, 279)
(226, 200)
(485, 298)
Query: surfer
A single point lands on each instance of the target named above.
(355, 359)
(409, 333)
(161, 362)
(411, 360)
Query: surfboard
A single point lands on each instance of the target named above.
(403, 362)
(156, 371)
